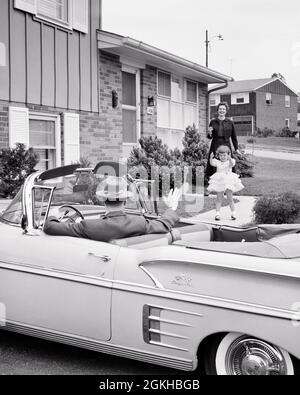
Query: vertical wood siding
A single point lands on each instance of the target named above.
(4, 38)
(277, 87)
(47, 65)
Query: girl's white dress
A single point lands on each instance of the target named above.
(224, 178)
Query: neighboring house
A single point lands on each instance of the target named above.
(70, 90)
(262, 103)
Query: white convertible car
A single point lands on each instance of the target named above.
(222, 299)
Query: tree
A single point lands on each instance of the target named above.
(195, 151)
(278, 75)
(16, 164)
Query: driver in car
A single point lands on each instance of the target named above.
(115, 223)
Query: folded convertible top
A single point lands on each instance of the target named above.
(282, 247)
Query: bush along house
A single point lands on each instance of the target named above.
(71, 91)
(258, 104)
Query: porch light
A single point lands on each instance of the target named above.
(151, 102)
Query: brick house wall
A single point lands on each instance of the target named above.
(95, 142)
(273, 116)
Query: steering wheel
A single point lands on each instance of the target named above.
(67, 207)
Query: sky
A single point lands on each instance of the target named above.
(260, 36)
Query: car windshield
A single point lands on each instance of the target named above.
(80, 189)
(77, 187)
(13, 213)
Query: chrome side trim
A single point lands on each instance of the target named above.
(231, 267)
(175, 310)
(155, 281)
(167, 334)
(167, 346)
(59, 274)
(98, 346)
(153, 318)
(206, 300)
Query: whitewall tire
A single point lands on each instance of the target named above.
(239, 354)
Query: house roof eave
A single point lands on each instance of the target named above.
(153, 56)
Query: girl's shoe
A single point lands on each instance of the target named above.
(217, 217)
(233, 217)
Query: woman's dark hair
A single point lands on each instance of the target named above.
(223, 103)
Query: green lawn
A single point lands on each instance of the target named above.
(272, 176)
(269, 142)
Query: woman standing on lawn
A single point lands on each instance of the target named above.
(221, 132)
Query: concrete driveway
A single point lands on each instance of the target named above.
(243, 211)
(273, 154)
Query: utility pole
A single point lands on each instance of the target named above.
(206, 45)
(207, 42)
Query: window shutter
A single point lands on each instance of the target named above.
(81, 15)
(27, 5)
(18, 126)
(71, 138)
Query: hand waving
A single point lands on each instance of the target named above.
(173, 197)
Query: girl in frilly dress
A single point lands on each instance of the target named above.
(224, 180)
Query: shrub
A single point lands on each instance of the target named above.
(154, 158)
(281, 208)
(244, 167)
(16, 164)
(195, 151)
(266, 132)
(286, 132)
(251, 141)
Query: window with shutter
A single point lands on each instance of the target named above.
(81, 15)
(71, 138)
(72, 14)
(27, 5)
(18, 126)
(44, 138)
(55, 10)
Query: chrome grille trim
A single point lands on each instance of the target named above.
(102, 347)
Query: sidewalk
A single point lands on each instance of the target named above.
(275, 154)
(243, 212)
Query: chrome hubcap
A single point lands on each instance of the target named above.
(249, 357)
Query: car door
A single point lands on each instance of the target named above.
(57, 284)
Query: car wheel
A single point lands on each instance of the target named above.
(238, 354)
